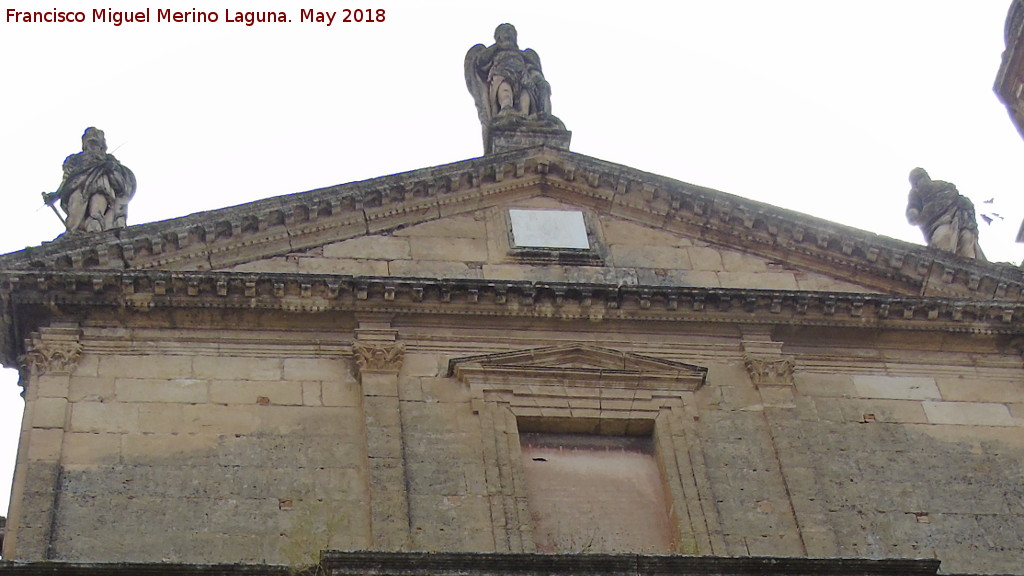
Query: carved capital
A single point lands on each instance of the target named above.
(378, 356)
(46, 357)
(770, 370)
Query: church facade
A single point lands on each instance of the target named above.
(532, 361)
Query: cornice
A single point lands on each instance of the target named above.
(314, 293)
(296, 222)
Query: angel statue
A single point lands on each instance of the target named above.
(95, 190)
(508, 87)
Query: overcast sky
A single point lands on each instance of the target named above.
(820, 107)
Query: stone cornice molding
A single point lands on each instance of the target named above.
(275, 226)
(31, 299)
(319, 293)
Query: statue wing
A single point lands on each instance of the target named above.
(476, 83)
(533, 59)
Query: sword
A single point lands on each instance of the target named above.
(50, 198)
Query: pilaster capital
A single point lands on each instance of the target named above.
(770, 370)
(53, 350)
(378, 356)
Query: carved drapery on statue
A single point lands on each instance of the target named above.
(946, 217)
(96, 188)
(513, 99)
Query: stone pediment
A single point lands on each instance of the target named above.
(578, 364)
(231, 237)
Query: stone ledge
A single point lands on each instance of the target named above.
(443, 564)
(144, 569)
(488, 564)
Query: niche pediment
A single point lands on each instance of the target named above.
(578, 365)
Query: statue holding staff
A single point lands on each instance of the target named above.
(96, 188)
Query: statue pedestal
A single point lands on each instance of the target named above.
(504, 140)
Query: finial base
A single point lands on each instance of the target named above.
(505, 140)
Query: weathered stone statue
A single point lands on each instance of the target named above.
(945, 216)
(96, 188)
(511, 94)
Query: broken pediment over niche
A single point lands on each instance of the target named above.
(577, 365)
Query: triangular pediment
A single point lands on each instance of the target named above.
(723, 230)
(578, 364)
(621, 251)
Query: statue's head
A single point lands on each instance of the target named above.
(505, 36)
(94, 141)
(918, 174)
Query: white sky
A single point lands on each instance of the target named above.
(820, 107)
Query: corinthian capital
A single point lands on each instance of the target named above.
(770, 370)
(46, 357)
(379, 356)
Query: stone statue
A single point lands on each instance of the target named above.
(944, 215)
(96, 188)
(509, 87)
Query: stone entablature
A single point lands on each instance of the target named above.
(227, 237)
(316, 293)
(320, 292)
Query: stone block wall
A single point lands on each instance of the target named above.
(191, 455)
(267, 445)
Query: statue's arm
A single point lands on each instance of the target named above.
(914, 206)
(69, 170)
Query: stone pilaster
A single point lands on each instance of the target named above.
(378, 357)
(772, 373)
(51, 355)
